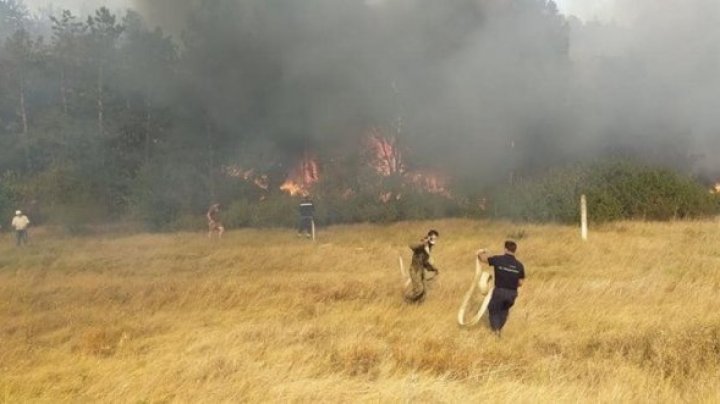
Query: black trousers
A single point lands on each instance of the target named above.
(305, 224)
(499, 307)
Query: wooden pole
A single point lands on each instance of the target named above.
(583, 218)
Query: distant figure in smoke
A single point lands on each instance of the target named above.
(20, 223)
(307, 217)
(420, 267)
(214, 224)
(509, 275)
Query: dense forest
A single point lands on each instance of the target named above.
(399, 110)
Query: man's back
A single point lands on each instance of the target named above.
(20, 222)
(307, 209)
(508, 271)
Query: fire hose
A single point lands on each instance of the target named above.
(483, 281)
(486, 284)
(404, 273)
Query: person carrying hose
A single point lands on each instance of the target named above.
(421, 265)
(509, 276)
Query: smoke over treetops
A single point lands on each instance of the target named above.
(235, 100)
(461, 82)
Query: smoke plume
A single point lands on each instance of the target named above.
(477, 88)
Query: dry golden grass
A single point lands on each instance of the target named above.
(632, 316)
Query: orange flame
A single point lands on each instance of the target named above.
(302, 178)
(260, 180)
(430, 182)
(388, 159)
(293, 188)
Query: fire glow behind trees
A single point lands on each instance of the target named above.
(462, 94)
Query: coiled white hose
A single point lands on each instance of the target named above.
(404, 273)
(486, 284)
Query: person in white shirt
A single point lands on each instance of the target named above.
(20, 223)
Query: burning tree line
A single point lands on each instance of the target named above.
(381, 153)
(372, 182)
(103, 117)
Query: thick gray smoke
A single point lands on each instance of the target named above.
(651, 83)
(476, 87)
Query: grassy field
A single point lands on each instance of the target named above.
(631, 316)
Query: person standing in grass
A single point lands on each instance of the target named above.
(307, 217)
(20, 223)
(421, 265)
(214, 224)
(509, 276)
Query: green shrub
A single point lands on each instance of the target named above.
(76, 218)
(278, 210)
(238, 214)
(157, 210)
(56, 196)
(615, 190)
(188, 222)
(7, 204)
(163, 194)
(423, 206)
(368, 207)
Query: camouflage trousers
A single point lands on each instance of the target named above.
(417, 289)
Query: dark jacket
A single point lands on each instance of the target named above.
(307, 209)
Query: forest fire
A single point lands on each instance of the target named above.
(388, 161)
(302, 177)
(430, 182)
(250, 176)
(387, 156)
(384, 156)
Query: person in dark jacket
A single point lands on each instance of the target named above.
(307, 217)
(420, 267)
(509, 276)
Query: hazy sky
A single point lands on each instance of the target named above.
(588, 9)
(77, 5)
(585, 9)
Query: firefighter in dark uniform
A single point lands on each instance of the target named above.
(307, 217)
(420, 267)
(509, 276)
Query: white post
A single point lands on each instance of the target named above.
(313, 229)
(583, 218)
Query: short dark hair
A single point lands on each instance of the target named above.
(433, 233)
(511, 246)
